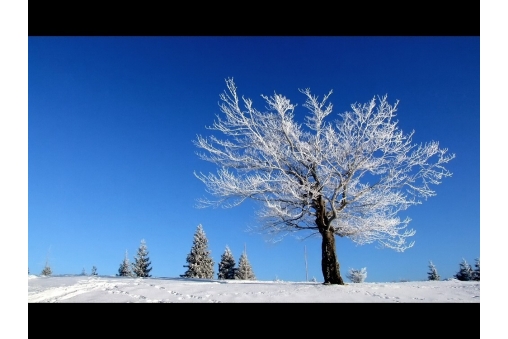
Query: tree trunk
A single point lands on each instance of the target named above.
(329, 262)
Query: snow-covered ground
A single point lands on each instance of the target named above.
(112, 289)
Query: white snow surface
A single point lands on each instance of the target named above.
(112, 289)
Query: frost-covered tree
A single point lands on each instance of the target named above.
(432, 274)
(141, 265)
(125, 267)
(94, 270)
(244, 270)
(476, 272)
(47, 269)
(83, 272)
(357, 276)
(348, 178)
(199, 260)
(465, 272)
(226, 265)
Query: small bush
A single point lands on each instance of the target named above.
(357, 276)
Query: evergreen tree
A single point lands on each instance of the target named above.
(226, 265)
(94, 270)
(47, 269)
(432, 274)
(125, 267)
(141, 265)
(244, 270)
(83, 272)
(476, 272)
(466, 272)
(199, 260)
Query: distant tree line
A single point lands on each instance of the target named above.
(141, 265)
(47, 271)
(465, 273)
(200, 263)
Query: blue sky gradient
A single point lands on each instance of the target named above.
(110, 155)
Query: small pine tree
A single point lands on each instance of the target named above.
(125, 267)
(357, 276)
(476, 272)
(199, 260)
(94, 270)
(83, 272)
(465, 273)
(47, 269)
(226, 265)
(141, 265)
(244, 270)
(432, 274)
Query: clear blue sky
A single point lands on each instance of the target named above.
(110, 155)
